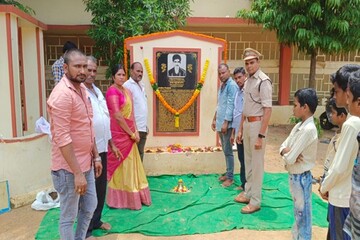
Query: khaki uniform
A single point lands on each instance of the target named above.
(255, 100)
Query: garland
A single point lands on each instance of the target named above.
(174, 111)
(169, 33)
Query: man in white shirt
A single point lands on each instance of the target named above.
(137, 88)
(101, 122)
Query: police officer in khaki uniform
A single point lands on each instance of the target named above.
(253, 129)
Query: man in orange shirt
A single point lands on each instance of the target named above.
(74, 154)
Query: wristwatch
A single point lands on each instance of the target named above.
(261, 136)
(97, 159)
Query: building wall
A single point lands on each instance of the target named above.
(64, 12)
(32, 100)
(11, 124)
(217, 8)
(16, 74)
(25, 163)
(22, 80)
(5, 103)
(42, 72)
(52, 12)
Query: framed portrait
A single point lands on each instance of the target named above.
(177, 70)
(177, 77)
(177, 65)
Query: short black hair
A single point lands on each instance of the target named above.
(116, 68)
(68, 54)
(176, 56)
(307, 96)
(354, 85)
(239, 70)
(341, 76)
(68, 45)
(331, 104)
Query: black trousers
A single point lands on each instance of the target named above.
(100, 183)
(141, 144)
(240, 150)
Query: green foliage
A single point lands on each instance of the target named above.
(20, 6)
(115, 20)
(294, 120)
(331, 26)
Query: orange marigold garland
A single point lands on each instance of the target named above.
(162, 99)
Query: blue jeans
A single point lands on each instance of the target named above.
(300, 188)
(337, 216)
(228, 152)
(73, 205)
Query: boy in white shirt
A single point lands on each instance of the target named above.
(299, 153)
(352, 223)
(335, 186)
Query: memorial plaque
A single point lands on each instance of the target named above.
(177, 76)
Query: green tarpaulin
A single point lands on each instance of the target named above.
(208, 208)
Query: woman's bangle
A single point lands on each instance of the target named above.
(132, 136)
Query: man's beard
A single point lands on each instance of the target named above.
(75, 79)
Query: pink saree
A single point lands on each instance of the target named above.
(127, 183)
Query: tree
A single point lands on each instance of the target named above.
(115, 20)
(329, 26)
(20, 6)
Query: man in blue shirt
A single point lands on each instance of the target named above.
(223, 118)
(239, 76)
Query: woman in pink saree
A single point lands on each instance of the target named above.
(127, 183)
